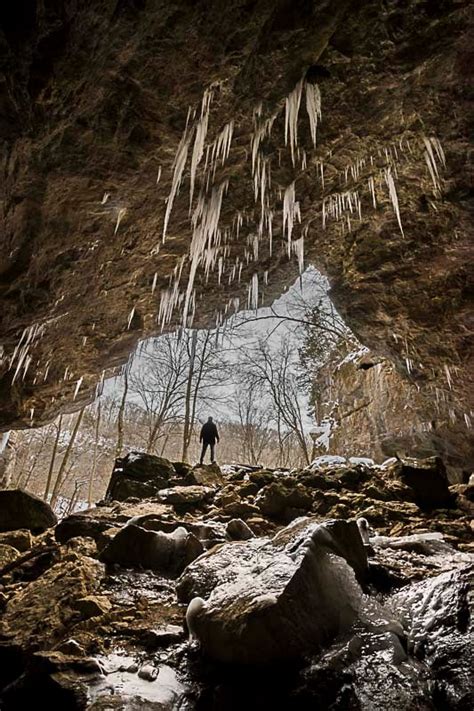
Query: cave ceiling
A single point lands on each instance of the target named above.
(161, 158)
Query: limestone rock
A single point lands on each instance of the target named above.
(7, 555)
(93, 606)
(134, 546)
(428, 480)
(92, 523)
(238, 530)
(139, 475)
(42, 612)
(60, 678)
(275, 499)
(444, 603)
(19, 509)
(240, 509)
(186, 495)
(20, 539)
(207, 475)
(276, 599)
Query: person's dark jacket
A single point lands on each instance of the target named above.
(209, 433)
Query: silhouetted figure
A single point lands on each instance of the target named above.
(209, 436)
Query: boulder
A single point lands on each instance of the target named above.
(94, 522)
(93, 606)
(20, 539)
(276, 599)
(444, 604)
(61, 678)
(7, 555)
(186, 495)
(427, 479)
(20, 510)
(274, 499)
(134, 546)
(261, 477)
(139, 475)
(41, 613)
(240, 509)
(207, 475)
(237, 530)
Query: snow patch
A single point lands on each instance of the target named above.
(327, 460)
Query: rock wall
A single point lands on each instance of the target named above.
(366, 408)
(94, 104)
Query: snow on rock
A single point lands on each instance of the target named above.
(328, 460)
(269, 599)
(366, 461)
(353, 356)
(438, 616)
(388, 463)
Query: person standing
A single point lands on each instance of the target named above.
(209, 436)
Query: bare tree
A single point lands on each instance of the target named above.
(62, 472)
(275, 373)
(53, 457)
(96, 444)
(120, 416)
(254, 419)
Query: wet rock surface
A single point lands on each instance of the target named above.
(317, 616)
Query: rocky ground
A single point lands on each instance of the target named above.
(342, 586)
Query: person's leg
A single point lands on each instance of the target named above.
(203, 452)
(212, 453)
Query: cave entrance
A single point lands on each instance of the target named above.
(254, 374)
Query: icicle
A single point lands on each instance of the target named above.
(131, 315)
(291, 212)
(105, 198)
(158, 175)
(292, 107)
(393, 196)
(448, 377)
(199, 140)
(431, 163)
(153, 286)
(313, 107)
(298, 249)
(372, 191)
(78, 387)
(120, 215)
(178, 169)
(254, 292)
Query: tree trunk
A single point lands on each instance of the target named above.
(120, 418)
(53, 458)
(188, 397)
(94, 462)
(62, 469)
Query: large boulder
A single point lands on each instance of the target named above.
(444, 604)
(20, 539)
(273, 599)
(186, 495)
(207, 475)
(42, 612)
(139, 475)
(280, 499)
(94, 522)
(428, 480)
(19, 509)
(134, 546)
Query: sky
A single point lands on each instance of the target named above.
(248, 327)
